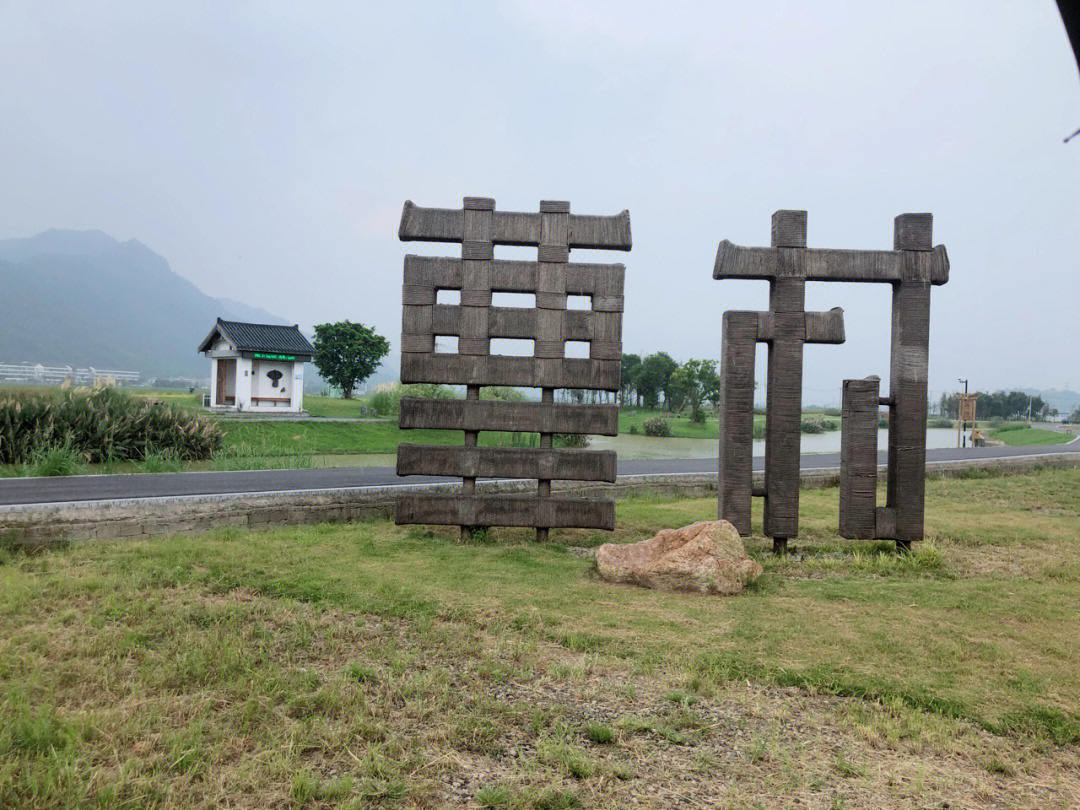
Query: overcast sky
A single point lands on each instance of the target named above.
(266, 149)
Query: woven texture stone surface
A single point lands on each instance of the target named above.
(475, 322)
(912, 267)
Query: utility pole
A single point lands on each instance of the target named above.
(962, 426)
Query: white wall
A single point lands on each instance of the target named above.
(298, 387)
(243, 383)
(262, 386)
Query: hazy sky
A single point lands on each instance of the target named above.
(266, 150)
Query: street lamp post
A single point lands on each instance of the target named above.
(963, 425)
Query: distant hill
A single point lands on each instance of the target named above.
(84, 298)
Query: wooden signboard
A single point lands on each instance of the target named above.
(967, 407)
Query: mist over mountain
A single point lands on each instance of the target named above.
(83, 298)
(1065, 401)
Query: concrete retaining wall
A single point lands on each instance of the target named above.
(39, 524)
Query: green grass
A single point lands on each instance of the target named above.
(1023, 436)
(265, 438)
(284, 438)
(56, 460)
(370, 665)
(681, 426)
(327, 407)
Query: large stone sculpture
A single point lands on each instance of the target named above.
(554, 231)
(911, 267)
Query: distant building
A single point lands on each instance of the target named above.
(256, 367)
(55, 375)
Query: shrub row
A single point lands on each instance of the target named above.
(101, 424)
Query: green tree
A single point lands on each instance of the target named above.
(692, 384)
(655, 377)
(679, 389)
(631, 369)
(710, 382)
(347, 353)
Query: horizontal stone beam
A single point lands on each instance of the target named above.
(524, 417)
(507, 462)
(516, 372)
(821, 264)
(595, 328)
(811, 327)
(420, 224)
(427, 274)
(505, 510)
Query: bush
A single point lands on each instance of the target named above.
(817, 424)
(570, 440)
(634, 429)
(98, 425)
(940, 422)
(759, 429)
(657, 426)
(697, 416)
(996, 421)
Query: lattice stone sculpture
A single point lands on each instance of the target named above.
(554, 231)
(911, 267)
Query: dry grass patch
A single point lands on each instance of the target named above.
(374, 666)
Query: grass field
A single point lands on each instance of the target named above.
(1023, 436)
(377, 666)
(681, 427)
(377, 436)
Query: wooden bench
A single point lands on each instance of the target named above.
(286, 400)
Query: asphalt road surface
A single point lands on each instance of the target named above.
(14, 491)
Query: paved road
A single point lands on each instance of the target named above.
(15, 491)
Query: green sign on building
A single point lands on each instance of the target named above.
(262, 356)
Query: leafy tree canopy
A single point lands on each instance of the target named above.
(347, 353)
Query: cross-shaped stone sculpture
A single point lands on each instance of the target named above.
(911, 267)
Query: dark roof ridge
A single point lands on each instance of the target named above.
(272, 338)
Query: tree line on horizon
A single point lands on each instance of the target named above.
(658, 377)
(1006, 405)
(348, 353)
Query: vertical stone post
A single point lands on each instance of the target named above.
(913, 235)
(787, 303)
(735, 463)
(858, 459)
(553, 253)
(477, 251)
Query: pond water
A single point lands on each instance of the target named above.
(628, 446)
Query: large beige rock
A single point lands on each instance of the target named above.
(708, 557)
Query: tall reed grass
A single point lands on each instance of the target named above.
(99, 425)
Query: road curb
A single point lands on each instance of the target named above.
(44, 524)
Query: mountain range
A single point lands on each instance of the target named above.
(83, 298)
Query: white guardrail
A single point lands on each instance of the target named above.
(37, 373)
